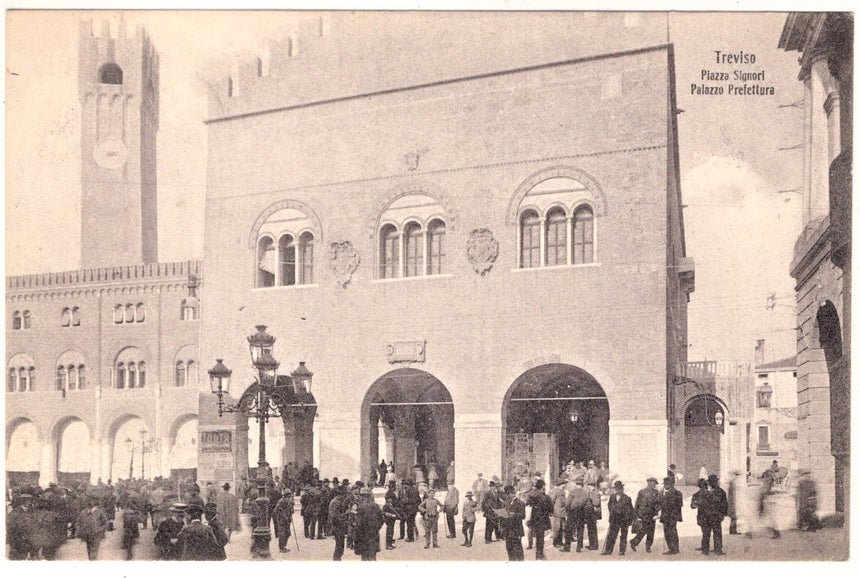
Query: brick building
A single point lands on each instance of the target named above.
(468, 225)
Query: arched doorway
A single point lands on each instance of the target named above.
(23, 452)
(407, 417)
(73, 451)
(829, 331)
(554, 414)
(134, 452)
(704, 426)
(182, 454)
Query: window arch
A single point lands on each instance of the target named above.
(190, 309)
(71, 371)
(17, 320)
(118, 313)
(556, 237)
(185, 367)
(530, 240)
(129, 369)
(286, 260)
(413, 249)
(306, 258)
(285, 237)
(66, 317)
(583, 235)
(21, 373)
(76, 316)
(110, 73)
(411, 236)
(266, 260)
(129, 313)
(389, 252)
(26, 319)
(436, 247)
(140, 313)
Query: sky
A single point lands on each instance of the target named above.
(741, 216)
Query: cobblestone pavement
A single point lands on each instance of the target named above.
(824, 545)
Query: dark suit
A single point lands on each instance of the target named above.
(491, 500)
(647, 507)
(539, 523)
(671, 504)
(513, 527)
(621, 515)
(713, 507)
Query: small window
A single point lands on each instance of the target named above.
(306, 258)
(132, 375)
(110, 73)
(26, 320)
(266, 262)
(118, 314)
(583, 236)
(529, 240)
(17, 322)
(129, 313)
(436, 248)
(82, 380)
(12, 383)
(120, 376)
(66, 317)
(76, 317)
(556, 237)
(286, 261)
(414, 250)
(62, 378)
(140, 313)
(180, 379)
(389, 258)
(764, 397)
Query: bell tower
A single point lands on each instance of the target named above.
(118, 84)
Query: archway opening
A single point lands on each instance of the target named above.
(407, 419)
(554, 414)
(134, 451)
(73, 452)
(704, 426)
(182, 457)
(23, 454)
(838, 370)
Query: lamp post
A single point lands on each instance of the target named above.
(130, 447)
(146, 446)
(265, 398)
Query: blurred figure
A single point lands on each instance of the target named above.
(469, 508)
(368, 521)
(91, 526)
(733, 496)
(228, 510)
(671, 506)
(807, 503)
(647, 507)
(130, 530)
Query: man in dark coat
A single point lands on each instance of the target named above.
(491, 501)
(697, 500)
(20, 526)
(647, 507)
(411, 501)
(621, 515)
(714, 506)
(513, 525)
(196, 541)
(807, 503)
(368, 521)
(575, 504)
(130, 529)
(591, 513)
(323, 529)
(541, 506)
(282, 517)
(167, 535)
(338, 515)
(310, 502)
(210, 511)
(671, 505)
(91, 526)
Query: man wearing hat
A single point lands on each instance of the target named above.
(228, 510)
(715, 506)
(167, 534)
(197, 541)
(430, 509)
(91, 526)
(210, 512)
(591, 512)
(621, 515)
(368, 521)
(452, 508)
(513, 524)
(322, 518)
(469, 508)
(338, 515)
(541, 506)
(559, 512)
(282, 516)
(479, 488)
(410, 502)
(20, 527)
(575, 503)
(491, 501)
(647, 507)
(671, 505)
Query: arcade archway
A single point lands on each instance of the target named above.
(552, 415)
(704, 427)
(22, 453)
(72, 437)
(829, 330)
(407, 417)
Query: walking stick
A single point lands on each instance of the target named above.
(295, 535)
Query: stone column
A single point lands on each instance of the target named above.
(478, 446)
(638, 448)
(48, 463)
(95, 460)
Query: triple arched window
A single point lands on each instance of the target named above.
(129, 369)
(21, 374)
(71, 372)
(129, 313)
(285, 250)
(556, 225)
(412, 238)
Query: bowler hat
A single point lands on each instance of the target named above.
(651, 479)
(210, 507)
(178, 507)
(713, 479)
(226, 487)
(509, 489)
(668, 480)
(469, 494)
(618, 485)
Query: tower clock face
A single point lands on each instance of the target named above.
(110, 153)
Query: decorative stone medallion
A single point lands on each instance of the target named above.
(343, 260)
(482, 250)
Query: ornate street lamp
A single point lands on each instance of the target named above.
(718, 418)
(267, 397)
(129, 445)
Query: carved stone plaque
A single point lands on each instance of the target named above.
(344, 260)
(482, 250)
(406, 351)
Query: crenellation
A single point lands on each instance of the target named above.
(105, 274)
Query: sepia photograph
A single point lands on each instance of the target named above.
(430, 285)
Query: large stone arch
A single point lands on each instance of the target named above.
(560, 411)
(597, 200)
(415, 412)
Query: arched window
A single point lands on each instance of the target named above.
(286, 260)
(266, 262)
(306, 258)
(66, 317)
(181, 378)
(556, 237)
(26, 320)
(141, 374)
(129, 313)
(82, 377)
(130, 369)
(76, 316)
(110, 73)
(12, 382)
(413, 249)
(389, 253)
(118, 313)
(132, 375)
(121, 376)
(140, 313)
(70, 371)
(583, 235)
(62, 378)
(22, 373)
(436, 247)
(529, 240)
(16, 320)
(31, 379)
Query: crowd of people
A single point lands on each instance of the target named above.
(194, 524)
